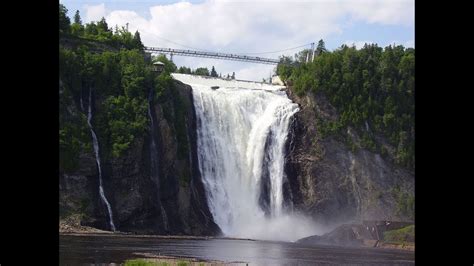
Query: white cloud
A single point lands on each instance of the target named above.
(94, 12)
(251, 26)
(389, 12)
(410, 43)
(122, 17)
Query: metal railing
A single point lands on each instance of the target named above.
(244, 58)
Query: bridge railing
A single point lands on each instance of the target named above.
(253, 59)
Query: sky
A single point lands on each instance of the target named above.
(255, 28)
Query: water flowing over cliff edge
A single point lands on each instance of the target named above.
(242, 129)
(271, 162)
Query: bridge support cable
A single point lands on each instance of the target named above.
(244, 58)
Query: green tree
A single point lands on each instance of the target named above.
(77, 28)
(202, 71)
(184, 70)
(64, 21)
(102, 25)
(372, 89)
(233, 75)
(77, 18)
(137, 42)
(126, 120)
(91, 30)
(213, 72)
(285, 67)
(321, 48)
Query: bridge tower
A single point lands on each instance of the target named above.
(310, 54)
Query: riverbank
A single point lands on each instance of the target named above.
(152, 260)
(71, 227)
(369, 234)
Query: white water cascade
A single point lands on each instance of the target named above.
(97, 159)
(242, 128)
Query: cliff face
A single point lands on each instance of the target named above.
(333, 183)
(325, 178)
(173, 203)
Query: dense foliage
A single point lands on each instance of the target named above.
(372, 89)
(120, 80)
(64, 21)
(203, 71)
(97, 31)
(402, 235)
(119, 83)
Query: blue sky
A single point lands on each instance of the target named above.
(254, 26)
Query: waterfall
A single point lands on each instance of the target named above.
(80, 101)
(97, 159)
(154, 160)
(242, 128)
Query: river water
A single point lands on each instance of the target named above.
(98, 249)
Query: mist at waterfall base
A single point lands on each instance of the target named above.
(242, 128)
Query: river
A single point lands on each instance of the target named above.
(116, 248)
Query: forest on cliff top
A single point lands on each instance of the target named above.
(372, 89)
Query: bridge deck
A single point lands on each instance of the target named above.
(251, 59)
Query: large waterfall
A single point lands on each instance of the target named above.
(242, 128)
(95, 143)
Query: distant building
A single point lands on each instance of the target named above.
(158, 67)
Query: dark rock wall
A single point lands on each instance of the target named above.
(180, 208)
(331, 182)
(325, 178)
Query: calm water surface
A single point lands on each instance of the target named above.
(98, 249)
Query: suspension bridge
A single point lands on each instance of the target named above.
(224, 56)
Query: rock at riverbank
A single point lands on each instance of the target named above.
(366, 234)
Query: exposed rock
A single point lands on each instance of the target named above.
(325, 178)
(72, 224)
(181, 207)
(342, 236)
(331, 182)
(366, 234)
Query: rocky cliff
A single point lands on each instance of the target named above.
(171, 201)
(326, 178)
(335, 183)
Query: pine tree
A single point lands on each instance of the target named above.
(102, 25)
(233, 75)
(213, 72)
(202, 71)
(64, 21)
(321, 48)
(77, 28)
(77, 18)
(137, 42)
